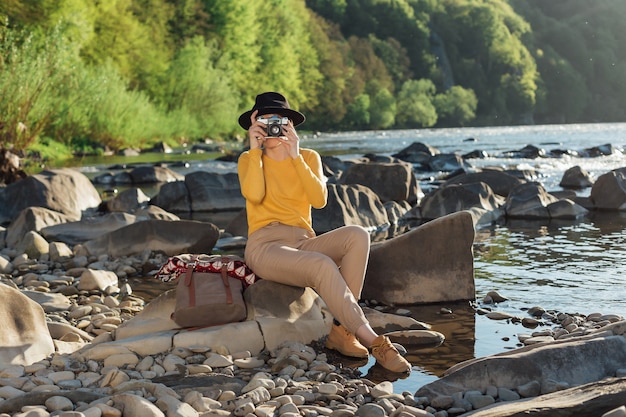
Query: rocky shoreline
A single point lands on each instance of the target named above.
(68, 253)
(295, 379)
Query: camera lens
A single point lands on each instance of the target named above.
(274, 130)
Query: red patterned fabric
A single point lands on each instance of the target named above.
(176, 266)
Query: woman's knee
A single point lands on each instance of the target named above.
(358, 235)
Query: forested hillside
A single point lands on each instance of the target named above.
(89, 74)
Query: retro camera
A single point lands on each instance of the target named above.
(274, 125)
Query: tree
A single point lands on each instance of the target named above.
(382, 109)
(483, 41)
(358, 114)
(457, 106)
(134, 47)
(194, 87)
(332, 94)
(415, 106)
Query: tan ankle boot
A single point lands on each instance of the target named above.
(388, 357)
(341, 340)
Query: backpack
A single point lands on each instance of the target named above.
(209, 290)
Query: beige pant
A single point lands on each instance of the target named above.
(333, 264)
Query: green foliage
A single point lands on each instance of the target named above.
(33, 73)
(382, 109)
(125, 73)
(333, 10)
(457, 106)
(46, 150)
(415, 104)
(135, 41)
(332, 94)
(118, 118)
(27, 12)
(198, 95)
(358, 115)
(578, 48)
(483, 41)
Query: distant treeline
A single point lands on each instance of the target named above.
(85, 74)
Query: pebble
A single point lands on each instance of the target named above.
(291, 381)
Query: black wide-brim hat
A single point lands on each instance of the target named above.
(271, 103)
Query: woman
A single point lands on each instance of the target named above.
(281, 182)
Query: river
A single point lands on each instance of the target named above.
(573, 267)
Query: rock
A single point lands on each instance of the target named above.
(44, 189)
(453, 198)
(210, 192)
(350, 204)
(202, 192)
(59, 252)
(170, 237)
(528, 201)
(238, 226)
(127, 200)
(431, 263)
(617, 412)
(495, 297)
(447, 162)
(390, 181)
(276, 313)
(277, 307)
(135, 406)
(32, 219)
(566, 209)
(591, 399)
(601, 150)
(527, 152)
(609, 191)
(500, 182)
(88, 228)
(416, 338)
(50, 302)
(576, 177)
(33, 245)
(6, 267)
(58, 403)
(154, 212)
(153, 175)
(417, 153)
(497, 315)
(575, 362)
(24, 338)
(385, 323)
(97, 280)
(173, 197)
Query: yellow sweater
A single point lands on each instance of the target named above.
(281, 191)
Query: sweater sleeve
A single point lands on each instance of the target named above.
(309, 168)
(251, 179)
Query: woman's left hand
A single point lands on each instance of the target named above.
(291, 140)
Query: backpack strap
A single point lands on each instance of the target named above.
(191, 265)
(224, 272)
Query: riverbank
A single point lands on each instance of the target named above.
(104, 378)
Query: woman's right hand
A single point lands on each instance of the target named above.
(256, 132)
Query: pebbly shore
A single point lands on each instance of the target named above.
(293, 380)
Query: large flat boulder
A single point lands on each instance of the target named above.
(592, 399)
(574, 362)
(170, 237)
(430, 264)
(276, 313)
